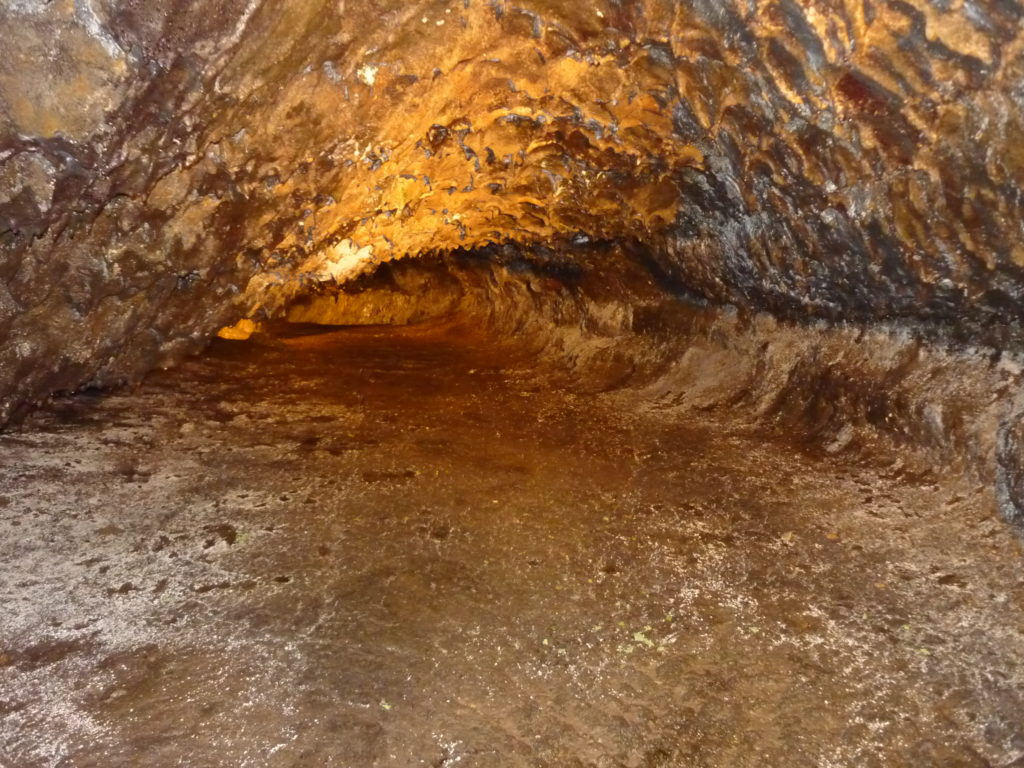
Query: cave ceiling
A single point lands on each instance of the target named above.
(165, 168)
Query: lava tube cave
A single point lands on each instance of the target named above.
(636, 383)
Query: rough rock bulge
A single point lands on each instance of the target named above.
(162, 166)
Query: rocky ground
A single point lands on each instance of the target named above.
(413, 548)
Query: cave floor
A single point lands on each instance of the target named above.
(384, 547)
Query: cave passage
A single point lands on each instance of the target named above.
(422, 545)
(618, 383)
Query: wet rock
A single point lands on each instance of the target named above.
(165, 171)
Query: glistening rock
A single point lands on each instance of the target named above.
(167, 168)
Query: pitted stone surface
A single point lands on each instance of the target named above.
(848, 160)
(402, 548)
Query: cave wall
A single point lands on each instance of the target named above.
(601, 322)
(166, 168)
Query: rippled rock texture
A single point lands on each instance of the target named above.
(882, 395)
(850, 160)
(168, 168)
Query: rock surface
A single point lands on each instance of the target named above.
(391, 549)
(803, 219)
(840, 391)
(851, 160)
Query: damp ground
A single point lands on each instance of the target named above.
(384, 547)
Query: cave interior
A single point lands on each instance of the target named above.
(538, 383)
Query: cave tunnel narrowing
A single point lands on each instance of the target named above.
(624, 383)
